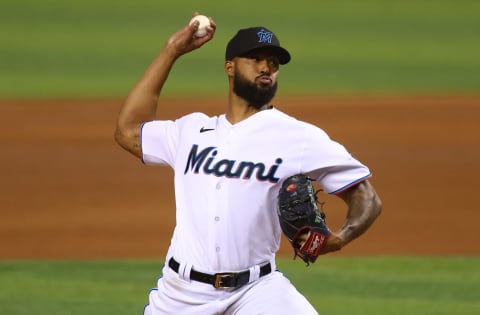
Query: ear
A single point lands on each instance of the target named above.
(229, 68)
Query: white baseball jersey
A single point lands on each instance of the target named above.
(227, 178)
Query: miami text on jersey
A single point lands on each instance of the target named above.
(205, 161)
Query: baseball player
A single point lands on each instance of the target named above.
(228, 171)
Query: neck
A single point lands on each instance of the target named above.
(238, 109)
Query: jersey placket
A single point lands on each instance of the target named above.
(220, 215)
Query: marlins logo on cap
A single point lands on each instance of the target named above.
(252, 38)
(265, 36)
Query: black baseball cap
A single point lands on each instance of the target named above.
(252, 38)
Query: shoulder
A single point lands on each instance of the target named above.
(180, 125)
(293, 124)
(194, 117)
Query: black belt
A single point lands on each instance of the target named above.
(222, 279)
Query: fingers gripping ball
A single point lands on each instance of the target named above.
(204, 23)
(300, 219)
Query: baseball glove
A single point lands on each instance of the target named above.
(300, 218)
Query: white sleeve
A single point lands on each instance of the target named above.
(329, 162)
(159, 142)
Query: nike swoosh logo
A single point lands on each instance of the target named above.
(203, 129)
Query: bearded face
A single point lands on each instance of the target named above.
(256, 95)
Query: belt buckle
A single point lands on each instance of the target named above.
(220, 280)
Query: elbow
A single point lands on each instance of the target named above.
(125, 133)
(377, 206)
(372, 201)
(118, 136)
(128, 139)
(375, 203)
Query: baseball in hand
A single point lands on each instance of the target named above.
(202, 27)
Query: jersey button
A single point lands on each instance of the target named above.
(217, 218)
(217, 249)
(219, 186)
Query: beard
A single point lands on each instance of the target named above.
(255, 96)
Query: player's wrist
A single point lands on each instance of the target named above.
(335, 242)
(170, 52)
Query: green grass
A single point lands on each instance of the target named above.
(58, 48)
(391, 285)
(334, 285)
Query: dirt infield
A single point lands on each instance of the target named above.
(68, 191)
